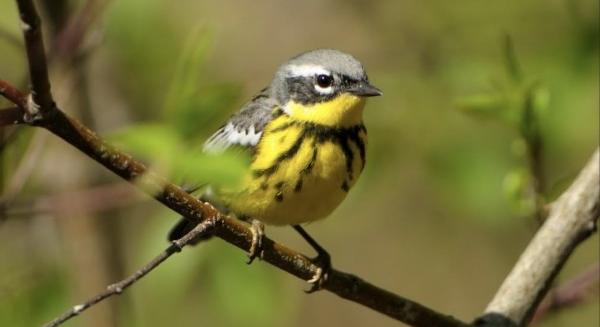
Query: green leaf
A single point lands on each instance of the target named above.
(483, 105)
(517, 184)
(148, 140)
(535, 103)
(540, 100)
(222, 170)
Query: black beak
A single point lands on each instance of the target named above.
(365, 89)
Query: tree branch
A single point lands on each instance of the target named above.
(573, 217)
(13, 94)
(36, 58)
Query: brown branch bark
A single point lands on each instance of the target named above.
(36, 58)
(13, 94)
(573, 217)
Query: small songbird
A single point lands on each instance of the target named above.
(307, 142)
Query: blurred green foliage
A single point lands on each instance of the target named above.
(442, 193)
(171, 146)
(521, 105)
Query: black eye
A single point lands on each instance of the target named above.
(324, 80)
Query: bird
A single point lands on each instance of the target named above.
(307, 142)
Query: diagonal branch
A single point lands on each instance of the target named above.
(13, 94)
(573, 218)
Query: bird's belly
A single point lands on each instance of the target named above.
(305, 187)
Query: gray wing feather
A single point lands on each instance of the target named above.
(246, 126)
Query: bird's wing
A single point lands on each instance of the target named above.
(245, 127)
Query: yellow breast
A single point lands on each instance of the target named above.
(301, 171)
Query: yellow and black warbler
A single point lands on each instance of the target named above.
(307, 140)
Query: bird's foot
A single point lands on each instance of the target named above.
(258, 232)
(323, 261)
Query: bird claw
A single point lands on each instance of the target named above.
(258, 232)
(321, 274)
(316, 277)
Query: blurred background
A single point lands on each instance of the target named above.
(489, 108)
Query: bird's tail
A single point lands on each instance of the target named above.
(182, 227)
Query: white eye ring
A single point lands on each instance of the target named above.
(324, 90)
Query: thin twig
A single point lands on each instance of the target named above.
(13, 94)
(36, 57)
(117, 288)
(571, 293)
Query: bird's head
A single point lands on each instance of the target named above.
(323, 86)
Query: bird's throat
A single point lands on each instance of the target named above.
(342, 111)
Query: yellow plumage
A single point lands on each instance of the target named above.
(312, 181)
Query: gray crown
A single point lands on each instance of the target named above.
(330, 59)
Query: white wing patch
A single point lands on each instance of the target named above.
(229, 135)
